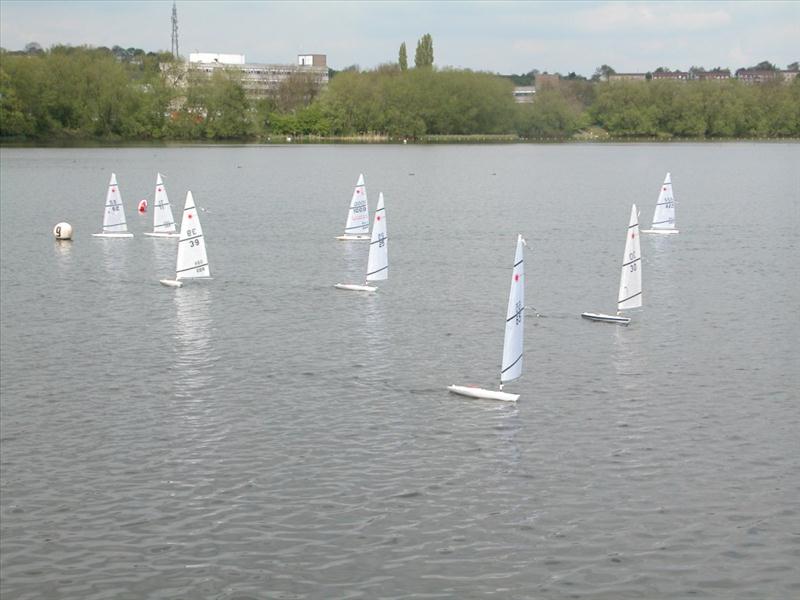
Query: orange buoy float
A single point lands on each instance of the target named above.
(142, 207)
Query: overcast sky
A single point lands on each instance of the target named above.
(503, 37)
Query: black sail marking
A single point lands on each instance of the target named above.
(192, 268)
(519, 358)
(629, 297)
(378, 271)
(631, 262)
(514, 316)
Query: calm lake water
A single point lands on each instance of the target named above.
(264, 435)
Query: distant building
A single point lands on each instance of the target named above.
(259, 80)
(714, 75)
(765, 75)
(524, 93)
(670, 75)
(627, 77)
(312, 60)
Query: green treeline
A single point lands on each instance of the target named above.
(78, 92)
(698, 108)
(96, 93)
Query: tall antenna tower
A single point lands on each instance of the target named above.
(174, 30)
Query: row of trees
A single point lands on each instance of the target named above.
(697, 109)
(81, 92)
(99, 93)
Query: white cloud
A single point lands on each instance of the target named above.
(622, 17)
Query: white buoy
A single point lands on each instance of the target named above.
(63, 231)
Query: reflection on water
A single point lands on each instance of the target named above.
(658, 279)
(628, 353)
(164, 252)
(354, 261)
(374, 321)
(115, 256)
(62, 249)
(376, 350)
(193, 352)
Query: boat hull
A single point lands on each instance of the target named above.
(113, 235)
(482, 394)
(162, 235)
(355, 288)
(661, 231)
(353, 238)
(599, 317)
(170, 283)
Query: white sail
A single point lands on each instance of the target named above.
(163, 221)
(664, 215)
(358, 216)
(630, 281)
(515, 320)
(192, 260)
(378, 262)
(114, 217)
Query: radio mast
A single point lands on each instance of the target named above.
(174, 31)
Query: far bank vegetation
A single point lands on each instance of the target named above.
(116, 94)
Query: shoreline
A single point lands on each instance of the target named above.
(386, 140)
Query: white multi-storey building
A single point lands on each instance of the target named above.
(258, 79)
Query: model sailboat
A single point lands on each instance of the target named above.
(192, 260)
(378, 261)
(664, 215)
(357, 226)
(511, 367)
(163, 222)
(630, 281)
(114, 224)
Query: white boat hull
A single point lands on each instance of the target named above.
(113, 235)
(606, 318)
(170, 282)
(663, 231)
(355, 288)
(476, 392)
(162, 235)
(353, 238)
